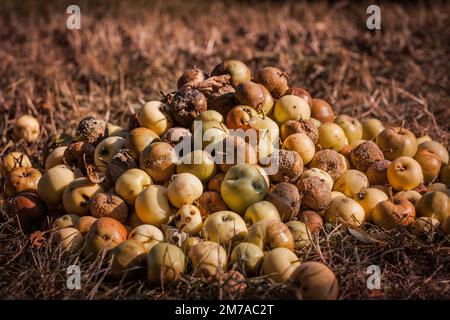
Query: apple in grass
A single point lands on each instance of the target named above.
(248, 257)
(27, 127)
(391, 214)
(343, 209)
(28, 209)
(55, 157)
(165, 263)
(243, 179)
(208, 258)
(104, 235)
(15, 160)
(224, 227)
(69, 239)
(148, 235)
(21, 180)
(279, 264)
(128, 259)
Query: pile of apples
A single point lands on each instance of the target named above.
(118, 191)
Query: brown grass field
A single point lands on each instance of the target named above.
(127, 52)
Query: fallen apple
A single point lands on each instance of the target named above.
(279, 264)
(208, 258)
(286, 198)
(109, 205)
(165, 263)
(302, 144)
(158, 160)
(210, 202)
(391, 214)
(189, 219)
(15, 160)
(424, 226)
(224, 227)
(22, 180)
(199, 163)
(261, 210)
(78, 194)
(404, 173)
(84, 224)
(28, 209)
(430, 164)
(184, 188)
(301, 234)
(147, 235)
(290, 107)
(352, 127)
(331, 136)
(321, 110)
(128, 259)
(106, 150)
(351, 182)
(312, 219)
(131, 183)
(397, 142)
(152, 206)
(436, 148)
(248, 257)
(269, 234)
(155, 116)
(343, 209)
(435, 204)
(322, 175)
(371, 128)
(138, 139)
(52, 184)
(368, 198)
(69, 239)
(65, 221)
(27, 128)
(55, 157)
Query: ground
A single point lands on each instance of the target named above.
(130, 52)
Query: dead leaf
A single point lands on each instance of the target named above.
(362, 236)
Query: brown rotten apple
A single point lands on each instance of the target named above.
(314, 193)
(210, 202)
(286, 198)
(274, 80)
(105, 234)
(377, 172)
(109, 205)
(293, 126)
(314, 280)
(329, 161)
(20, 180)
(158, 160)
(290, 167)
(365, 154)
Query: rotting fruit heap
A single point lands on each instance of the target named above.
(120, 191)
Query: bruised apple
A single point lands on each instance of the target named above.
(147, 235)
(131, 183)
(391, 214)
(22, 180)
(261, 210)
(78, 195)
(224, 227)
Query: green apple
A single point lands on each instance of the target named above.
(242, 186)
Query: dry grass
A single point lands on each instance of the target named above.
(128, 53)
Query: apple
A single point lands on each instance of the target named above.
(21, 180)
(279, 264)
(28, 209)
(302, 144)
(268, 135)
(423, 139)
(155, 116)
(411, 195)
(430, 163)
(377, 172)
(104, 235)
(128, 259)
(365, 154)
(351, 182)
(331, 136)
(248, 257)
(436, 148)
(445, 174)
(301, 92)
(290, 107)
(237, 70)
(424, 226)
(67, 220)
(114, 129)
(184, 188)
(158, 160)
(138, 139)
(27, 128)
(131, 183)
(397, 142)
(270, 234)
(353, 129)
(109, 205)
(368, 198)
(188, 243)
(165, 263)
(239, 117)
(208, 258)
(78, 194)
(290, 167)
(404, 173)
(343, 209)
(213, 133)
(14, 160)
(52, 184)
(69, 239)
(371, 128)
(314, 281)
(55, 157)
(199, 163)
(434, 204)
(321, 110)
(210, 202)
(322, 175)
(106, 150)
(331, 162)
(314, 193)
(210, 115)
(224, 227)
(189, 219)
(147, 235)
(234, 150)
(304, 126)
(84, 224)
(300, 233)
(312, 219)
(215, 182)
(268, 102)
(242, 186)
(152, 206)
(286, 198)
(335, 194)
(390, 214)
(261, 210)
